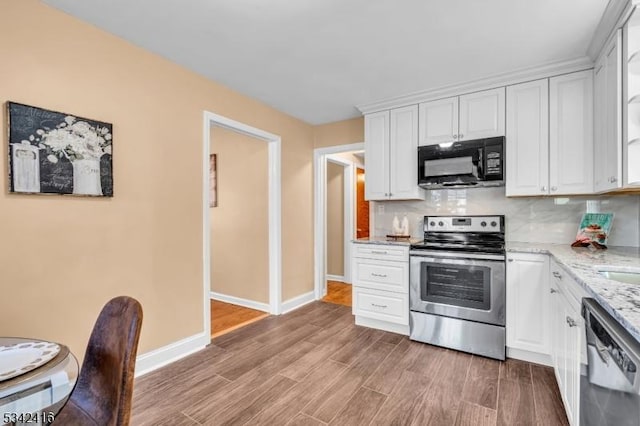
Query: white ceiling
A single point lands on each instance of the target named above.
(317, 59)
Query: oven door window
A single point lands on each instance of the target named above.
(457, 285)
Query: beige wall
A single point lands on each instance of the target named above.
(335, 219)
(62, 258)
(240, 223)
(339, 133)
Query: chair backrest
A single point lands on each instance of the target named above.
(105, 383)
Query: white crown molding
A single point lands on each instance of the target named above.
(498, 80)
(615, 14)
(172, 352)
(251, 304)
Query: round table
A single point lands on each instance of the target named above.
(35, 397)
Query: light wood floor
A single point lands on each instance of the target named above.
(226, 317)
(338, 292)
(313, 366)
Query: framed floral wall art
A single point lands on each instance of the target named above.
(56, 153)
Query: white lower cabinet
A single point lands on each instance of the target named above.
(381, 286)
(544, 322)
(528, 311)
(568, 333)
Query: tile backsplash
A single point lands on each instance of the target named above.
(530, 219)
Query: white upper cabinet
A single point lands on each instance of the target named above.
(439, 121)
(481, 115)
(376, 145)
(391, 153)
(460, 118)
(608, 117)
(403, 154)
(571, 133)
(631, 100)
(527, 160)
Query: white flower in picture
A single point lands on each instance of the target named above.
(77, 140)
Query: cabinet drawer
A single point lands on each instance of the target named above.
(381, 305)
(381, 251)
(381, 275)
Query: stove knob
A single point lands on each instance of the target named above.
(483, 223)
(432, 223)
(494, 224)
(440, 224)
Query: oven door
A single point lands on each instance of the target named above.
(459, 285)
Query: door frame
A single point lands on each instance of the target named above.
(320, 158)
(274, 210)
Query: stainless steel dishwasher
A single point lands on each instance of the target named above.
(609, 392)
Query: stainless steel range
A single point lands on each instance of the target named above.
(457, 292)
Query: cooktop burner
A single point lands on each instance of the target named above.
(463, 233)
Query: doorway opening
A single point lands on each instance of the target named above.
(228, 302)
(339, 218)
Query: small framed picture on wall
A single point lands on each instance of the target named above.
(213, 180)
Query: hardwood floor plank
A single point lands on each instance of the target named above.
(242, 410)
(333, 399)
(481, 387)
(356, 347)
(304, 420)
(402, 406)
(360, 409)
(548, 403)
(220, 397)
(384, 379)
(442, 400)
(514, 369)
(475, 415)
(290, 377)
(295, 399)
(165, 402)
(338, 292)
(323, 351)
(247, 360)
(515, 403)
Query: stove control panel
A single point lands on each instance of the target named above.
(464, 223)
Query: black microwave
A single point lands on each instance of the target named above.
(471, 163)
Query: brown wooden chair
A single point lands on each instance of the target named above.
(102, 395)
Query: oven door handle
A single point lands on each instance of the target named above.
(452, 255)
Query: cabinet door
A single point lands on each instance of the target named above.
(613, 105)
(600, 174)
(528, 303)
(608, 117)
(574, 332)
(528, 139)
(482, 115)
(403, 155)
(571, 133)
(376, 152)
(438, 121)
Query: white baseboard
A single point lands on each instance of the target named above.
(528, 356)
(241, 302)
(297, 302)
(339, 278)
(160, 357)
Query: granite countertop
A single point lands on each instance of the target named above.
(621, 300)
(384, 240)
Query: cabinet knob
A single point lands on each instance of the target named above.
(554, 188)
(510, 260)
(571, 322)
(455, 136)
(553, 290)
(460, 136)
(386, 195)
(543, 189)
(557, 275)
(614, 179)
